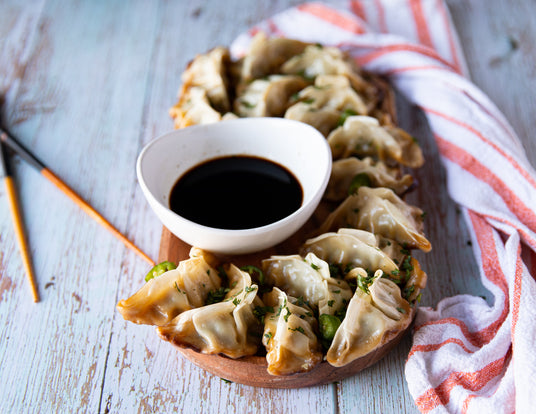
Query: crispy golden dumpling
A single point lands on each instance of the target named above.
(319, 60)
(178, 290)
(305, 277)
(411, 151)
(366, 321)
(289, 335)
(325, 103)
(194, 108)
(266, 55)
(229, 327)
(268, 96)
(382, 212)
(363, 136)
(349, 248)
(208, 72)
(348, 174)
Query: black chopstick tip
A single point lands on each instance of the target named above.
(4, 165)
(20, 150)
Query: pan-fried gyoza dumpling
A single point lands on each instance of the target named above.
(268, 96)
(332, 91)
(325, 119)
(321, 60)
(366, 322)
(382, 212)
(289, 335)
(229, 327)
(323, 104)
(307, 278)
(387, 297)
(348, 174)
(363, 136)
(208, 71)
(175, 291)
(266, 55)
(349, 248)
(411, 152)
(194, 108)
(238, 281)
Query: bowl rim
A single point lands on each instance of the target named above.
(315, 196)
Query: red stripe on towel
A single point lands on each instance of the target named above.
(331, 16)
(420, 23)
(472, 381)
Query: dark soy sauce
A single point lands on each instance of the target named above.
(236, 192)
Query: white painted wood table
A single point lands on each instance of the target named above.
(85, 85)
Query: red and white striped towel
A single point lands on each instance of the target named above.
(467, 356)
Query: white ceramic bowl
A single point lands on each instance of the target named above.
(298, 147)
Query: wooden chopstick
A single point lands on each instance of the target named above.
(20, 234)
(49, 175)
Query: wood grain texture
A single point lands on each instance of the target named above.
(85, 85)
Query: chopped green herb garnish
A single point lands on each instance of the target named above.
(316, 267)
(406, 265)
(400, 310)
(341, 313)
(408, 291)
(297, 329)
(363, 282)
(236, 301)
(335, 271)
(178, 289)
(268, 335)
(216, 295)
(300, 301)
(287, 315)
(261, 311)
(247, 104)
(330, 303)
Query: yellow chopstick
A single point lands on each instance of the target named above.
(18, 223)
(49, 175)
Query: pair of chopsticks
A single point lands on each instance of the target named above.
(7, 140)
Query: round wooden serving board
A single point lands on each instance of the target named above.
(252, 370)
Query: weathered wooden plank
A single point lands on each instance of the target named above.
(78, 106)
(498, 40)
